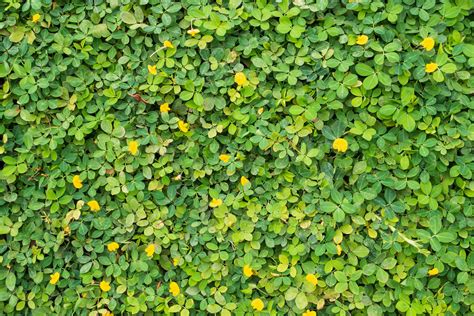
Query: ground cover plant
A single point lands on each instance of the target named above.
(236, 157)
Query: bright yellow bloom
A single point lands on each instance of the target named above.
(104, 286)
(77, 182)
(168, 44)
(340, 144)
(133, 147)
(362, 39)
(112, 246)
(431, 67)
(183, 127)
(240, 79)
(36, 17)
(150, 250)
(309, 313)
(193, 32)
(244, 180)
(165, 108)
(339, 250)
(54, 278)
(175, 261)
(94, 205)
(260, 111)
(257, 304)
(433, 272)
(174, 288)
(224, 158)
(107, 313)
(428, 43)
(215, 203)
(311, 278)
(248, 272)
(152, 69)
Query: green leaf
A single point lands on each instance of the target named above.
(364, 70)
(10, 281)
(128, 18)
(361, 251)
(284, 26)
(370, 82)
(301, 301)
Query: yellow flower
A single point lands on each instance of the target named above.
(150, 250)
(107, 313)
(244, 180)
(152, 69)
(175, 261)
(340, 144)
(224, 158)
(54, 278)
(339, 250)
(168, 44)
(104, 286)
(174, 288)
(77, 182)
(257, 304)
(260, 111)
(431, 67)
(165, 108)
(133, 147)
(240, 79)
(433, 272)
(183, 127)
(36, 17)
(309, 313)
(311, 278)
(94, 205)
(428, 43)
(362, 39)
(248, 272)
(215, 203)
(193, 32)
(112, 246)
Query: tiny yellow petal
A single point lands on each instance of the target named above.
(248, 272)
(168, 44)
(431, 67)
(433, 272)
(77, 182)
(215, 203)
(340, 144)
(193, 32)
(257, 304)
(112, 246)
(174, 288)
(244, 181)
(152, 69)
(309, 313)
(165, 108)
(175, 261)
(260, 111)
(224, 158)
(104, 286)
(362, 39)
(339, 250)
(428, 43)
(311, 278)
(150, 250)
(183, 127)
(94, 205)
(36, 17)
(133, 147)
(240, 79)
(54, 278)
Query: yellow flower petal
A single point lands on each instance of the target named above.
(248, 272)
(309, 313)
(215, 203)
(433, 272)
(224, 158)
(133, 147)
(183, 127)
(77, 182)
(244, 181)
(311, 278)
(165, 108)
(362, 39)
(54, 278)
(174, 288)
(175, 261)
(339, 250)
(340, 144)
(193, 32)
(150, 250)
(257, 304)
(240, 79)
(36, 17)
(152, 69)
(431, 67)
(104, 286)
(428, 43)
(112, 246)
(94, 205)
(168, 44)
